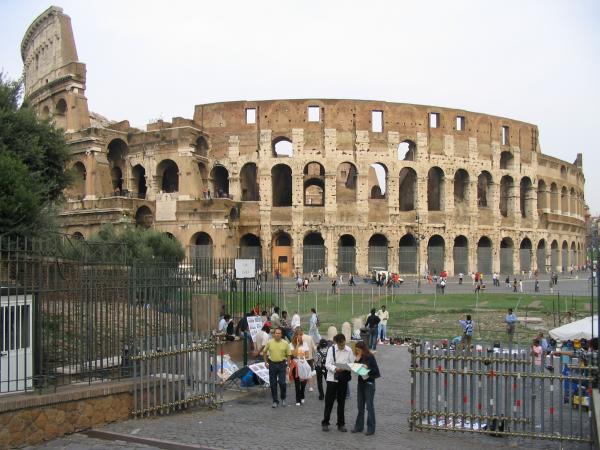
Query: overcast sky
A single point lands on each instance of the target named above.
(536, 61)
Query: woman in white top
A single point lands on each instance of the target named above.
(314, 326)
(299, 352)
(295, 320)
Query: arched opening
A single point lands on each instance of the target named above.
(77, 188)
(554, 197)
(407, 151)
(565, 256)
(506, 160)
(234, 214)
(407, 254)
(564, 201)
(249, 183)
(117, 153)
(460, 254)
(250, 248)
(347, 254)
(435, 189)
(201, 147)
(201, 253)
(506, 196)
(313, 253)
(484, 255)
(573, 258)
(61, 107)
(563, 172)
(573, 202)
(282, 147)
(144, 217)
(435, 254)
(281, 246)
(525, 252)
(408, 189)
(541, 256)
(485, 187)
(554, 255)
(281, 179)
(377, 181)
(220, 181)
(378, 252)
(77, 235)
(542, 202)
(526, 198)
(168, 176)
(345, 183)
(45, 112)
(139, 178)
(206, 187)
(461, 186)
(314, 169)
(314, 192)
(506, 256)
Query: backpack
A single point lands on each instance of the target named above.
(318, 322)
(469, 327)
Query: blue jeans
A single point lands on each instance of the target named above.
(277, 376)
(365, 396)
(373, 338)
(382, 333)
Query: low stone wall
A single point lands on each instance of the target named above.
(28, 419)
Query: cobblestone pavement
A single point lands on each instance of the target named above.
(249, 422)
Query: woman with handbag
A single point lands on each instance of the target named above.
(301, 369)
(365, 389)
(337, 381)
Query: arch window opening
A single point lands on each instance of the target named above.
(541, 256)
(313, 253)
(220, 182)
(554, 197)
(564, 201)
(283, 147)
(249, 183)
(408, 189)
(281, 248)
(506, 196)
(525, 253)
(250, 248)
(139, 177)
(484, 255)
(347, 254)
(168, 176)
(565, 256)
(506, 160)
(435, 189)
(542, 202)
(345, 183)
(506, 256)
(377, 181)
(77, 188)
(117, 154)
(201, 253)
(573, 257)
(201, 147)
(526, 198)
(485, 188)
(554, 256)
(407, 151)
(407, 254)
(61, 107)
(144, 217)
(378, 252)
(281, 179)
(460, 253)
(435, 254)
(461, 186)
(314, 184)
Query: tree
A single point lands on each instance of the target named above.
(33, 158)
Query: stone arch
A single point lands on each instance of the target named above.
(61, 107)
(554, 255)
(201, 253)
(542, 201)
(219, 176)
(282, 251)
(485, 188)
(168, 176)
(573, 202)
(378, 178)
(564, 201)
(506, 196)
(525, 253)
(313, 253)
(314, 184)
(507, 247)
(346, 254)
(234, 214)
(45, 112)
(77, 188)
(407, 254)
(485, 258)
(116, 156)
(251, 248)
(526, 198)
(408, 189)
(378, 252)
(506, 160)
(77, 235)
(345, 183)
(460, 254)
(249, 183)
(139, 179)
(282, 147)
(407, 150)
(554, 197)
(435, 254)
(564, 256)
(563, 172)
(201, 146)
(573, 255)
(461, 186)
(281, 184)
(435, 189)
(144, 218)
(541, 256)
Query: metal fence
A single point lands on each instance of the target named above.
(313, 257)
(500, 392)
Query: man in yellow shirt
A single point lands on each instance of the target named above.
(277, 354)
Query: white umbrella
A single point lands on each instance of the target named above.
(580, 329)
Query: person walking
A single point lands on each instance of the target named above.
(467, 325)
(460, 277)
(287, 327)
(310, 357)
(299, 351)
(337, 381)
(365, 389)
(351, 281)
(320, 358)
(313, 325)
(511, 321)
(276, 354)
(373, 325)
(262, 337)
(295, 320)
(275, 319)
(384, 316)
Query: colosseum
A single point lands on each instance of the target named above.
(338, 185)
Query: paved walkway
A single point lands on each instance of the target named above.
(249, 422)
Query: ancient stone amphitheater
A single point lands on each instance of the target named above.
(338, 185)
